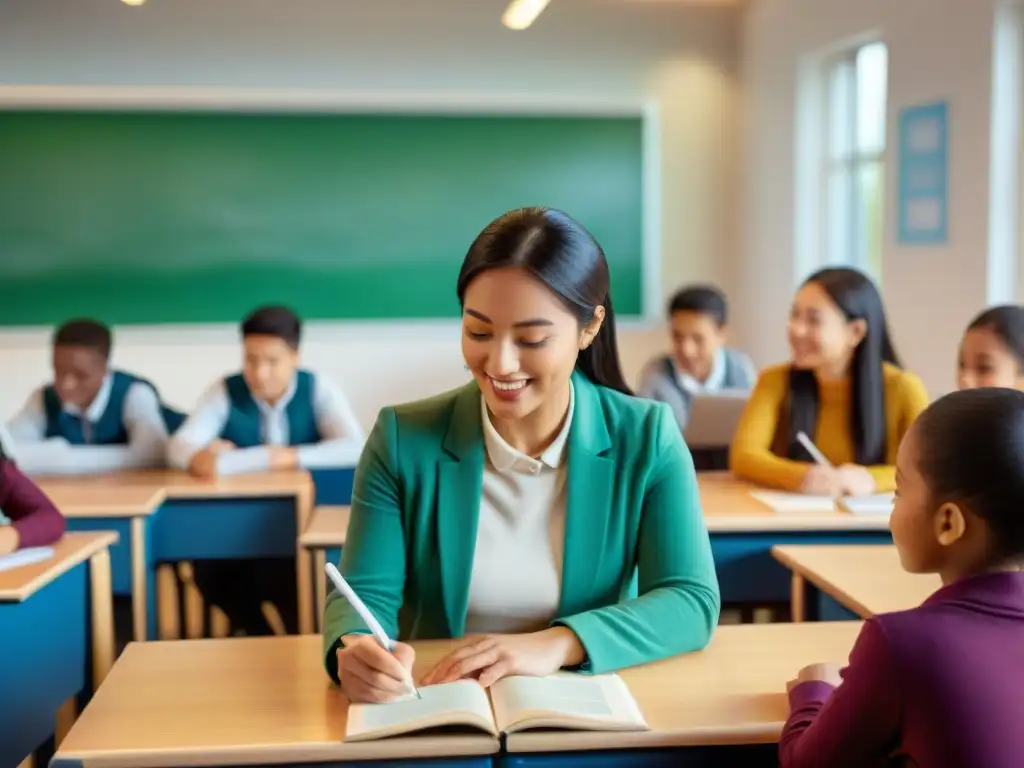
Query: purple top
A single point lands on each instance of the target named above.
(939, 686)
(32, 514)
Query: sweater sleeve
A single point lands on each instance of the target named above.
(31, 512)
(750, 455)
(854, 724)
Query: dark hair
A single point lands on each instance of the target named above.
(858, 299)
(560, 253)
(84, 332)
(276, 321)
(1007, 323)
(705, 299)
(970, 450)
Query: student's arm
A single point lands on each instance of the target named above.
(679, 601)
(29, 424)
(342, 436)
(373, 558)
(750, 455)
(35, 521)
(854, 724)
(202, 427)
(906, 398)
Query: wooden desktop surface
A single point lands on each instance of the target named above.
(84, 500)
(261, 700)
(20, 583)
(177, 484)
(327, 526)
(236, 702)
(867, 579)
(729, 508)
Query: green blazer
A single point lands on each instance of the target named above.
(633, 520)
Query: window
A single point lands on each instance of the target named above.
(854, 142)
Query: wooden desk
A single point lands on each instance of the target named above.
(863, 580)
(743, 532)
(124, 504)
(240, 702)
(56, 640)
(723, 706)
(324, 537)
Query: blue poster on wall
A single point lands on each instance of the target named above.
(924, 174)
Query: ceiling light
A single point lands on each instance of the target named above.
(135, 3)
(521, 13)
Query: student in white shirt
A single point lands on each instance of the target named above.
(272, 415)
(91, 419)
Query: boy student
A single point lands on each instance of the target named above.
(700, 361)
(271, 416)
(91, 419)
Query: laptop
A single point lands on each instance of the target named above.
(713, 417)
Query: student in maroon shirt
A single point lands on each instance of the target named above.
(35, 522)
(941, 685)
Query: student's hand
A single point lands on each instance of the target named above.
(204, 463)
(493, 657)
(822, 481)
(9, 539)
(369, 674)
(826, 672)
(283, 457)
(856, 480)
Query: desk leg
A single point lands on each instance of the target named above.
(66, 717)
(28, 762)
(140, 594)
(167, 603)
(101, 592)
(319, 583)
(798, 598)
(303, 565)
(195, 605)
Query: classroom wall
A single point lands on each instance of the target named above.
(680, 59)
(938, 49)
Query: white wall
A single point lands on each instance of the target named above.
(938, 49)
(681, 59)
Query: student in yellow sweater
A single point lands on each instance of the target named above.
(844, 388)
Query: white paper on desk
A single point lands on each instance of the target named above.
(875, 505)
(25, 557)
(795, 503)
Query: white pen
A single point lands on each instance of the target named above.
(364, 613)
(812, 449)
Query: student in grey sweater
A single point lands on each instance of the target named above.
(700, 361)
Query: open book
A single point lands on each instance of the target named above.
(25, 557)
(806, 504)
(563, 700)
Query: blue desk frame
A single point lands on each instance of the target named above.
(747, 572)
(45, 659)
(730, 756)
(819, 606)
(483, 761)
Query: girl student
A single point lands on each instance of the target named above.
(992, 349)
(937, 685)
(843, 388)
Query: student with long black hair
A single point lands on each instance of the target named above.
(992, 350)
(843, 388)
(520, 507)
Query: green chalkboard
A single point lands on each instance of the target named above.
(192, 217)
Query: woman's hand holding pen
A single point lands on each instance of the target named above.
(370, 674)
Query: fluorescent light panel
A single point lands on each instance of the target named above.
(521, 13)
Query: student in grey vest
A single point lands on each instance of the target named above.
(92, 418)
(700, 360)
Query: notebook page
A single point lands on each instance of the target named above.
(463, 702)
(25, 557)
(874, 505)
(565, 700)
(795, 503)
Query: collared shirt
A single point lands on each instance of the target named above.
(714, 381)
(342, 436)
(516, 582)
(143, 421)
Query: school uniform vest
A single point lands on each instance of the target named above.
(110, 428)
(244, 425)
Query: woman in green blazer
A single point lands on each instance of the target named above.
(541, 511)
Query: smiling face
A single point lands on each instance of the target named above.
(696, 339)
(985, 361)
(820, 335)
(520, 342)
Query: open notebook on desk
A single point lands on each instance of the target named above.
(876, 504)
(563, 700)
(25, 556)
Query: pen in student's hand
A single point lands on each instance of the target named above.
(364, 613)
(812, 449)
